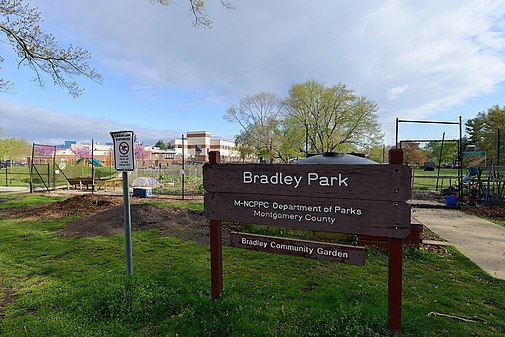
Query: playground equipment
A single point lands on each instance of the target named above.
(91, 161)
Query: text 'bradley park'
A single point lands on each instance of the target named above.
(279, 178)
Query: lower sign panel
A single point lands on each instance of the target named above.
(311, 249)
(380, 218)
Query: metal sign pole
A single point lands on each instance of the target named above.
(127, 224)
(183, 172)
(92, 166)
(124, 161)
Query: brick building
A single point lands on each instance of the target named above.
(197, 145)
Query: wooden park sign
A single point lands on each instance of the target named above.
(364, 182)
(356, 199)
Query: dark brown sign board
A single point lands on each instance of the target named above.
(352, 183)
(364, 182)
(354, 255)
(381, 218)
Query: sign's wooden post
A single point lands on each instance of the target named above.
(395, 267)
(216, 249)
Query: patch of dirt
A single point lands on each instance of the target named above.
(438, 249)
(497, 213)
(104, 215)
(11, 294)
(8, 296)
(81, 204)
(427, 234)
(178, 222)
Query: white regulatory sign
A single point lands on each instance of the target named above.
(123, 150)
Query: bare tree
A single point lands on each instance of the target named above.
(259, 116)
(197, 9)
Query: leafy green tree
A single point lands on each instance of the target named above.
(14, 148)
(244, 147)
(336, 118)
(161, 145)
(286, 142)
(483, 130)
(378, 153)
(292, 140)
(449, 152)
(473, 128)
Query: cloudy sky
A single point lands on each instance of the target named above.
(429, 60)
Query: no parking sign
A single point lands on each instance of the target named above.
(123, 150)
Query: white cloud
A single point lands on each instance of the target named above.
(394, 92)
(444, 52)
(44, 126)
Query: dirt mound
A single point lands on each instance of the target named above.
(177, 222)
(80, 204)
(104, 215)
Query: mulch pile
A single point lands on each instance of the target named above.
(82, 204)
(104, 215)
(178, 222)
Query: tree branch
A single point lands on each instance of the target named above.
(40, 51)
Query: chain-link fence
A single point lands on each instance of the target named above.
(14, 173)
(43, 173)
(172, 179)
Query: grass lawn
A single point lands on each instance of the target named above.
(427, 180)
(56, 286)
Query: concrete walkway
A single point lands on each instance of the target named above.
(13, 190)
(481, 241)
